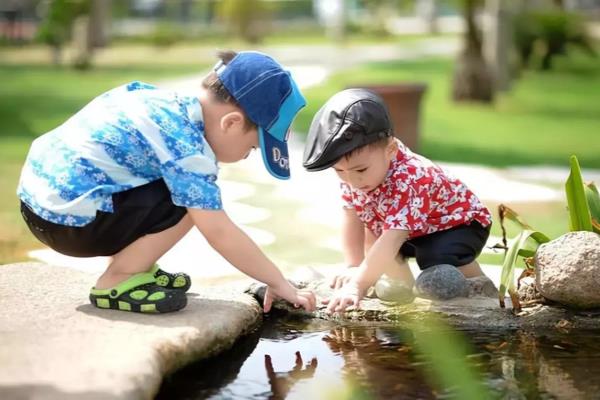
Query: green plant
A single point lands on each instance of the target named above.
(525, 245)
(542, 35)
(583, 201)
(582, 198)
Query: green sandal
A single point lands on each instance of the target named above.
(140, 293)
(177, 281)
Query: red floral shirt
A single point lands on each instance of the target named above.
(417, 196)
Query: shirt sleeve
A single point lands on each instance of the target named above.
(192, 182)
(409, 202)
(346, 195)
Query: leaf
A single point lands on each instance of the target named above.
(509, 213)
(518, 246)
(579, 212)
(593, 200)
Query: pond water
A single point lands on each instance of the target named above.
(315, 359)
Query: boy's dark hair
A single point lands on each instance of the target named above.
(212, 83)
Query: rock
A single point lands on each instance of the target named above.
(477, 312)
(393, 290)
(441, 282)
(568, 269)
(55, 345)
(482, 286)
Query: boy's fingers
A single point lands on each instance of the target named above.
(313, 300)
(267, 302)
(324, 301)
(333, 282)
(332, 305)
(305, 303)
(309, 296)
(344, 303)
(310, 300)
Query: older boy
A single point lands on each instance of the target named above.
(397, 204)
(132, 172)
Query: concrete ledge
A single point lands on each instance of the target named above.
(55, 345)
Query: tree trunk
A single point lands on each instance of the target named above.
(337, 25)
(185, 10)
(497, 42)
(56, 55)
(100, 13)
(82, 52)
(428, 10)
(472, 77)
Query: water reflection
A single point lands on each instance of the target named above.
(282, 382)
(316, 359)
(552, 365)
(380, 361)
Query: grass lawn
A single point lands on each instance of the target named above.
(545, 117)
(37, 98)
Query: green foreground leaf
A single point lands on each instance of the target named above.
(593, 199)
(579, 211)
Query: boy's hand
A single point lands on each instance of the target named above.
(341, 279)
(304, 298)
(348, 295)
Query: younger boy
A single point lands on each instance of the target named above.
(397, 204)
(132, 172)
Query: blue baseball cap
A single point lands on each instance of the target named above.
(271, 99)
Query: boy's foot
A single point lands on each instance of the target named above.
(394, 290)
(140, 293)
(177, 281)
(441, 282)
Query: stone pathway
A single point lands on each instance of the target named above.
(55, 345)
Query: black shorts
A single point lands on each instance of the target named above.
(456, 246)
(137, 212)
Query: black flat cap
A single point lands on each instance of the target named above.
(350, 119)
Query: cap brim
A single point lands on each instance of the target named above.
(275, 155)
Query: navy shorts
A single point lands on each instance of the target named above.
(456, 246)
(137, 212)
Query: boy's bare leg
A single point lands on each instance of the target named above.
(400, 271)
(141, 255)
(471, 270)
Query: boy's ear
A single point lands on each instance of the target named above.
(391, 148)
(232, 121)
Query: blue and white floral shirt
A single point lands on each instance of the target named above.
(125, 138)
